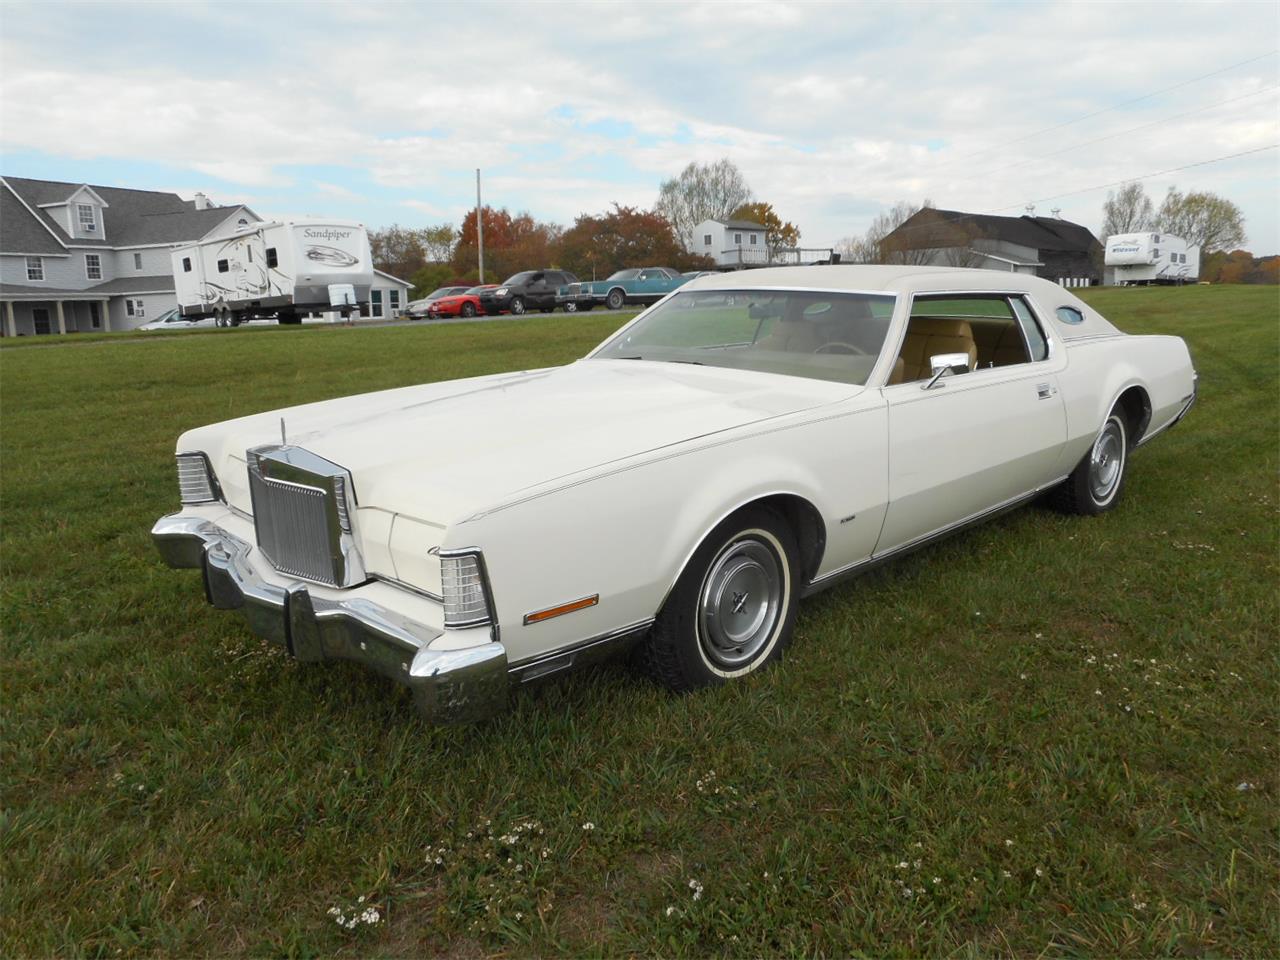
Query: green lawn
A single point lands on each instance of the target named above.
(1033, 739)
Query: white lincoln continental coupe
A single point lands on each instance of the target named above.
(748, 440)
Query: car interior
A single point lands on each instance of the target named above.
(990, 330)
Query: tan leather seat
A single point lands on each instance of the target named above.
(929, 336)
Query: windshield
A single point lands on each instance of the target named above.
(436, 294)
(518, 279)
(625, 275)
(798, 333)
(480, 289)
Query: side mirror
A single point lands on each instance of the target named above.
(943, 364)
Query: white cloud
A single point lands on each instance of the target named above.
(830, 110)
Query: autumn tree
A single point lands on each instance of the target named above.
(1128, 210)
(777, 235)
(702, 191)
(596, 246)
(1203, 219)
(404, 251)
(511, 244)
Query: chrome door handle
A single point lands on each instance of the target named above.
(1045, 390)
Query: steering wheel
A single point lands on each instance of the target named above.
(840, 347)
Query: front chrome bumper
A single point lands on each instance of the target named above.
(449, 686)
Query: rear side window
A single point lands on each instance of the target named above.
(1037, 346)
(1070, 315)
(272, 260)
(222, 266)
(186, 264)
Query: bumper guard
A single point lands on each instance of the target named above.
(449, 686)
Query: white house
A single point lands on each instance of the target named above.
(75, 257)
(730, 243)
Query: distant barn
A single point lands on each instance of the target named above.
(1048, 247)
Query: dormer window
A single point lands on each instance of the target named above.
(87, 217)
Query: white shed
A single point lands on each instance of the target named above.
(729, 243)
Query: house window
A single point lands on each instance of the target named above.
(754, 238)
(138, 309)
(137, 261)
(128, 307)
(375, 303)
(394, 302)
(272, 260)
(88, 220)
(737, 238)
(706, 239)
(40, 320)
(186, 264)
(93, 266)
(222, 266)
(35, 268)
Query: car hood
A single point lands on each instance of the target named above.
(444, 451)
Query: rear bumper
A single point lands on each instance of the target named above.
(449, 686)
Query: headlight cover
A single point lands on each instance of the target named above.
(196, 481)
(501, 292)
(464, 585)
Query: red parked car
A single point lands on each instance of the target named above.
(460, 304)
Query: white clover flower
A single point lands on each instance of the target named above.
(670, 911)
(696, 887)
(937, 879)
(1008, 843)
(902, 865)
(588, 826)
(1039, 872)
(1006, 874)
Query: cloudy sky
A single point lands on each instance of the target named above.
(382, 111)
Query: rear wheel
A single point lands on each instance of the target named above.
(1096, 483)
(733, 609)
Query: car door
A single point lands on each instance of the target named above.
(973, 441)
(536, 291)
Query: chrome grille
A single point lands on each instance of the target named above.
(301, 515)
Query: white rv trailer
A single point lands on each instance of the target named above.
(286, 268)
(1152, 258)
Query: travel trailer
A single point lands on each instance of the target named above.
(1152, 258)
(283, 269)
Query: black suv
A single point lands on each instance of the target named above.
(527, 290)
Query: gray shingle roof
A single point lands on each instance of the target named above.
(1038, 233)
(741, 224)
(20, 232)
(132, 217)
(111, 288)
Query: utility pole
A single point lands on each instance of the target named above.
(479, 225)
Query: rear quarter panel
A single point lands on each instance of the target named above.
(1099, 370)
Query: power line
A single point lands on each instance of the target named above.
(1117, 106)
(960, 217)
(1145, 176)
(1122, 133)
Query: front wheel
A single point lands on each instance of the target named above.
(517, 306)
(733, 609)
(615, 299)
(1096, 483)
(570, 307)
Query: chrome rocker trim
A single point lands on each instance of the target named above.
(449, 686)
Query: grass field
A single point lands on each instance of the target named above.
(1049, 736)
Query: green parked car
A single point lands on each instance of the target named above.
(636, 285)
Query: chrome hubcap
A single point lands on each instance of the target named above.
(1106, 461)
(740, 603)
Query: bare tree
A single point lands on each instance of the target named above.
(1204, 220)
(1127, 211)
(878, 246)
(702, 191)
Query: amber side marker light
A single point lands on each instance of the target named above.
(540, 615)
